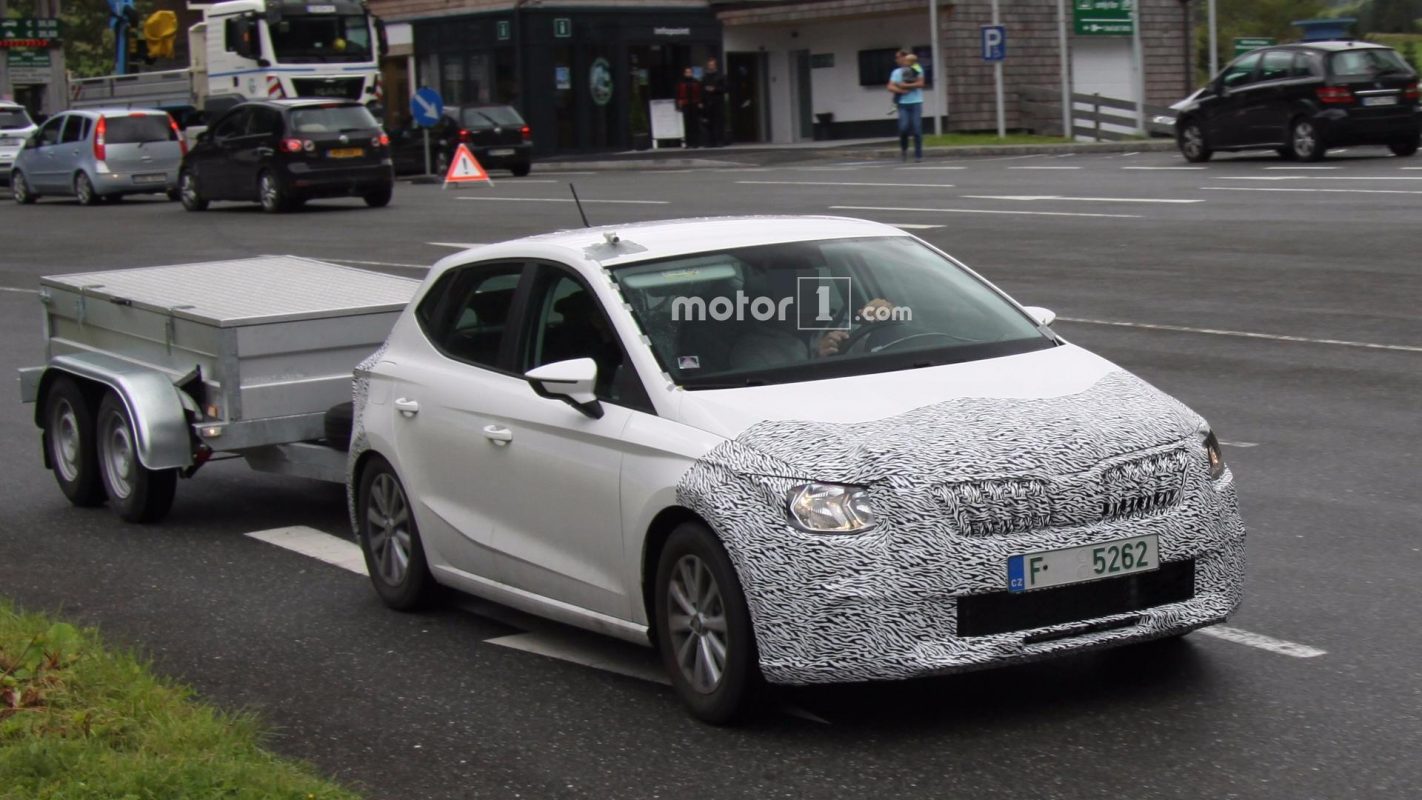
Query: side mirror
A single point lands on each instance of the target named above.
(571, 381)
(1044, 316)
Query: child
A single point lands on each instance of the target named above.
(910, 62)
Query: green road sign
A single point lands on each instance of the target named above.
(562, 28)
(21, 59)
(1102, 17)
(1244, 44)
(29, 29)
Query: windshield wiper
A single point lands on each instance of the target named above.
(725, 385)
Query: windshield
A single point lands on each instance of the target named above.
(14, 119)
(310, 38)
(332, 119)
(1367, 61)
(490, 117)
(810, 310)
(138, 129)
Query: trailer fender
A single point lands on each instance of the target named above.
(160, 423)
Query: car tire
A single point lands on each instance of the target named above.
(1193, 144)
(380, 198)
(173, 195)
(441, 163)
(715, 672)
(69, 443)
(271, 194)
(136, 493)
(389, 535)
(1404, 149)
(190, 193)
(521, 170)
(20, 189)
(84, 190)
(1305, 143)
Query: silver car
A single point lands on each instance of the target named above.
(100, 154)
(15, 127)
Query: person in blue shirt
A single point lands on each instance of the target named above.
(906, 83)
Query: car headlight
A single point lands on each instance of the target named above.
(830, 508)
(1213, 453)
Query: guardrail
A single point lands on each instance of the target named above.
(1096, 121)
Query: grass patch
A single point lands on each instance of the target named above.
(988, 139)
(79, 722)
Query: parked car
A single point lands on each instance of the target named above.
(879, 467)
(100, 154)
(1301, 100)
(496, 135)
(281, 153)
(15, 127)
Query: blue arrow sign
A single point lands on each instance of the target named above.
(994, 43)
(426, 106)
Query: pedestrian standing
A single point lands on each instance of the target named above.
(713, 95)
(906, 83)
(688, 101)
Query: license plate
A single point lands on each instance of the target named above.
(158, 178)
(1090, 562)
(1381, 100)
(503, 151)
(347, 152)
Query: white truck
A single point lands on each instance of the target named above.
(257, 49)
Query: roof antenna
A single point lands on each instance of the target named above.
(581, 213)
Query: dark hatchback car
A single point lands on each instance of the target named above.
(1303, 99)
(496, 135)
(281, 153)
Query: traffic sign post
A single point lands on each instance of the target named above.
(994, 50)
(1244, 44)
(426, 108)
(1102, 17)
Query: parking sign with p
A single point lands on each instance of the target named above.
(994, 42)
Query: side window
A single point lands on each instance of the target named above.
(49, 133)
(73, 130)
(1240, 72)
(1277, 64)
(230, 125)
(1303, 66)
(568, 322)
(262, 122)
(465, 315)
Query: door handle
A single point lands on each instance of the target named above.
(497, 435)
(406, 406)
(265, 151)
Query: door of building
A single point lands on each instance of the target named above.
(801, 97)
(750, 112)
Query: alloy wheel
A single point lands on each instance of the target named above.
(84, 190)
(188, 187)
(388, 529)
(19, 189)
(1192, 141)
(697, 622)
(269, 192)
(1305, 141)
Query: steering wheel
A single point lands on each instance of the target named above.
(891, 345)
(865, 330)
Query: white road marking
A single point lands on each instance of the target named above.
(1165, 168)
(319, 545)
(557, 172)
(1036, 197)
(848, 183)
(986, 211)
(1300, 167)
(1259, 640)
(1411, 167)
(1043, 167)
(1320, 177)
(1310, 190)
(1244, 334)
(457, 245)
(375, 263)
(908, 226)
(911, 169)
(22, 291)
(841, 168)
(565, 200)
(1128, 155)
(1240, 444)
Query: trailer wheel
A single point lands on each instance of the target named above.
(69, 442)
(136, 493)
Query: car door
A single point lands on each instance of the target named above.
(559, 535)
(69, 153)
(217, 171)
(1266, 106)
(446, 394)
(39, 166)
(1226, 121)
(253, 149)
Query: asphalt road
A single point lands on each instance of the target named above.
(1279, 300)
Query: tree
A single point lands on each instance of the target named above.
(88, 40)
(1271, 18)
(1389, 16)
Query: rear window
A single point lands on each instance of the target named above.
(491, 117)
(332, 119)
(14, 119)
(1367, 61)
(138, 130)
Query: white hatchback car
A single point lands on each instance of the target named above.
(787, 450)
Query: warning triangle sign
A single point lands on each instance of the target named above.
(465, 168)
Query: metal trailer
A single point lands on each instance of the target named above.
(152, 372)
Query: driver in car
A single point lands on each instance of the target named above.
(779, 342)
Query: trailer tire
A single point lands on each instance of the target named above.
(69, 443)
(136, 493)
(406, 586)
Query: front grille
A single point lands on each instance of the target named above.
(1005, 612)
(993, 508)
(1143, 486)
(345, 88)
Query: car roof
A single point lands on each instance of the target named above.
(590, 249)
(302, 102)
(1335, 46)
(113, 112)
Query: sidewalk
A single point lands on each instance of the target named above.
(761, 155)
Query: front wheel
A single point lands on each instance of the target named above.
(521, 170)
(390, 540)
(136, 493)
(703, 628)
(1192, 143)
(1404, 149)
(20, 189)
(189, 193)
(1305, 142)
(84, 190)
(379, 198)
(69, 443)
(271, 194)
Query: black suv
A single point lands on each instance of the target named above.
(496, 135)
(282, 153)
(1302, 99)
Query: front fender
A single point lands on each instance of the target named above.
(160, 422)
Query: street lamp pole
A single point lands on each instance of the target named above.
(1214, 42)
(997, 81)
(940, 81)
